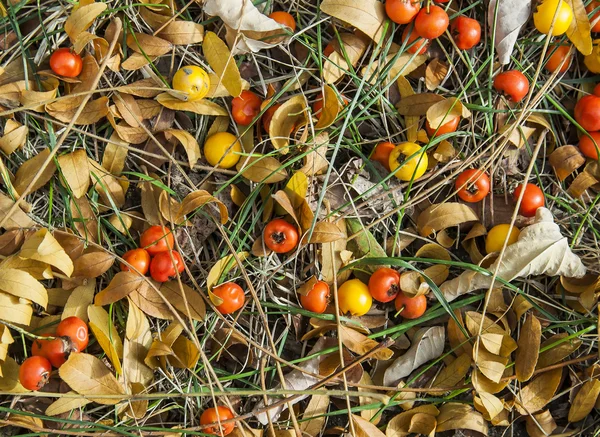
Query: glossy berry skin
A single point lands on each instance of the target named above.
(232, 295)
(402, 11)
(587, 146)
(466, 32)
(496, 236)
(214, 416)
(192, 81)
(280, 236)
(446, 128)
(222, 150)
(34, 373)
(532, 199)
(587, 113)
(594, 5)
(512, 83)
(414, 43)
(558, 54)
(596, 91)
(56, 351)
(66, 62)
(433, 23)
(411, 307)
(245, 107)
(162, 268)
(138, 258)
(268, 116)
(76, 329)
(157, 239)
(284, 18)
(317, 298)
(472, 185)
(381, 154)
(384, 284)
(354, 298)
(544, 15)
(405, 166)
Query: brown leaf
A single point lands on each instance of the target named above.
(147, 44)
(584, 401)
(313, 416)
(222, 62)
(121, 285)
(265, 169)
(417, 104)
(115, 154)
(93, 264)
(197, 199)
(460, 416)
(188, 142)
(366, 15)
(172, 291)
(454, 373)
(559, 349)
(128, 109)
(95, 110)
(201, 107)
(147, 88)
(82, 18)
(182, 32)
(360, 344)
(88, 376)
(542, 420)
(364, 428)
(84, 218)
(32, 168)
(326, 232)
(446, 111)
(18, 218)
(529, 348)
(331, 108)
(442, 216)
(335, 65)
(289, 116)
(75, 170)
(535, 395)
(15, 137)
(435, 73)
(15, 310)
(565, 160)
(316, 159)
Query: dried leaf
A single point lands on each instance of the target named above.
(330, 110)
(197, 199)
(222, 62)
(75, 170)
(13, 139)
(82, 18)
(18, 219)
(265, 169)
(66, 404)
(446, 111)
(543, 420)
(505, 19)
(565, 160)
(316, 159)
(147, 44)
(106, 334)
(366, 15)
(42, 246)
(417, 104)
(325, 232)
(529, 348)
(79, 300)
(454, 373)
(559, 349)
(434, 74)
(579, 31)
(364, 428)
(87, 375)
(201, 107)
(428, 344)
(442, 216)
(535, 395)
(188, 142)
(93, 264)
(291, 114)
(584, 401)
(222, 267)
(335, 65)
(128, 109)
(121, 285)
(21, 285)
(33, 168)
(460, 416)
(182, 32)
(9, 380)
(541, 249)
(360, 344)
(314, 412)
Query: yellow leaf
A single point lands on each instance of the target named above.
(201, 107)
(188, 142)
(22, 284)
(361, 344)
(66, 404)
(453, 373)
(74, 168)
(529, 348)
(88, 375)
(147, 44)
(106, 334)
(584, 400)
(460, 416)
(199, 198)
(237, 196)
(82, 18)
(442, 216)
(222, 267)
(13, 139)
(9, 381)
(313, 416)
(182, 32)
(367, 15)
(121, 285)
(222, 62)
(32, 168)
(446, 111)
(535, 395)
(265, 169)
(78, 302)
(289, 116)
(335, 65)
(331, 108)
(325, 232)
(364, 428)
(579, 31)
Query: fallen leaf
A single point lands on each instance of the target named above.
(416, 420)
(291, 114)
(584, 401)
(428, 344)
(222, 267)
(559, 348)
(579, 31)
(74, 168)
(188, 142)
(460, 416)
(505, 19)
(541, 249)
(335, 66)
(9, 380)
(22, 285)
(93, 264)
(200, 107)
(313, 416)
(442, 216)
(565, 160)
(66, 404)
(529, 348)
(33, 168)
(148, 45)
(18, 219)
(360, 344)
(82, 18)
(197, 199)
(434, 74)
(79, 300)
(325, 232)
(222, 62)
(42, 246)
(366, 15)
(265, 169)
(87, 375)
(454, 373)
(315, 160)
(535, 395)
(15, 310)
(13, 139)
(543, 420)
(106, 333)
(364, 243)
(446, 111)
(364, 428)
(417, 104)
(121, 285)
(182, 32)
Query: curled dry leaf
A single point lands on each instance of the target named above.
(67, 404)
(418, 104)
(262, 168)
(42, 246)
(172, 348)
(584, 401)
(197, 199)
(75, 170)
(543, 420)
(223, 64)
(446, 111)
(541, 249)
(82, 18)
(15, 136)
(366, 15)
(565, 160)
(529, 348)
(435, 73)
(579, 31)
(417, 420)
(331, 108)
(460, 416)
(248, 30)
(428, 344)
(505, 19)
(488, 405)
(360, 344)
(88, 375)
(188, 142)
(9, 377)
(288, 117)
(335, 66)
(316, 159)
(106, 333)
(535, 395)
(442, 216)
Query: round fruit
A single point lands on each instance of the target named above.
(556, 58)
(472, 185)
(498, 234)
(596, 91)
(284, 18)
(65, 62)
(157, 239)
(76, 329)
(587, 113)
(162, 267)
(431, 22)
(447, 128)
(384, 284)
(381, 153)
(406, 168)
(56, 351)
(402, 11)
(532, 199)
(411, 307)
(544, 15)
(589, 146)
(193, 81)
(268, 116)
(245, 107)
(594, 6)
(512, 83)
(214, 416)
(139, 259)
(280, 236)
(317, 298)
(413, 42)
(354, 298)
(232, 295)
(34, 373)
(466, 32)
(222, 150)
